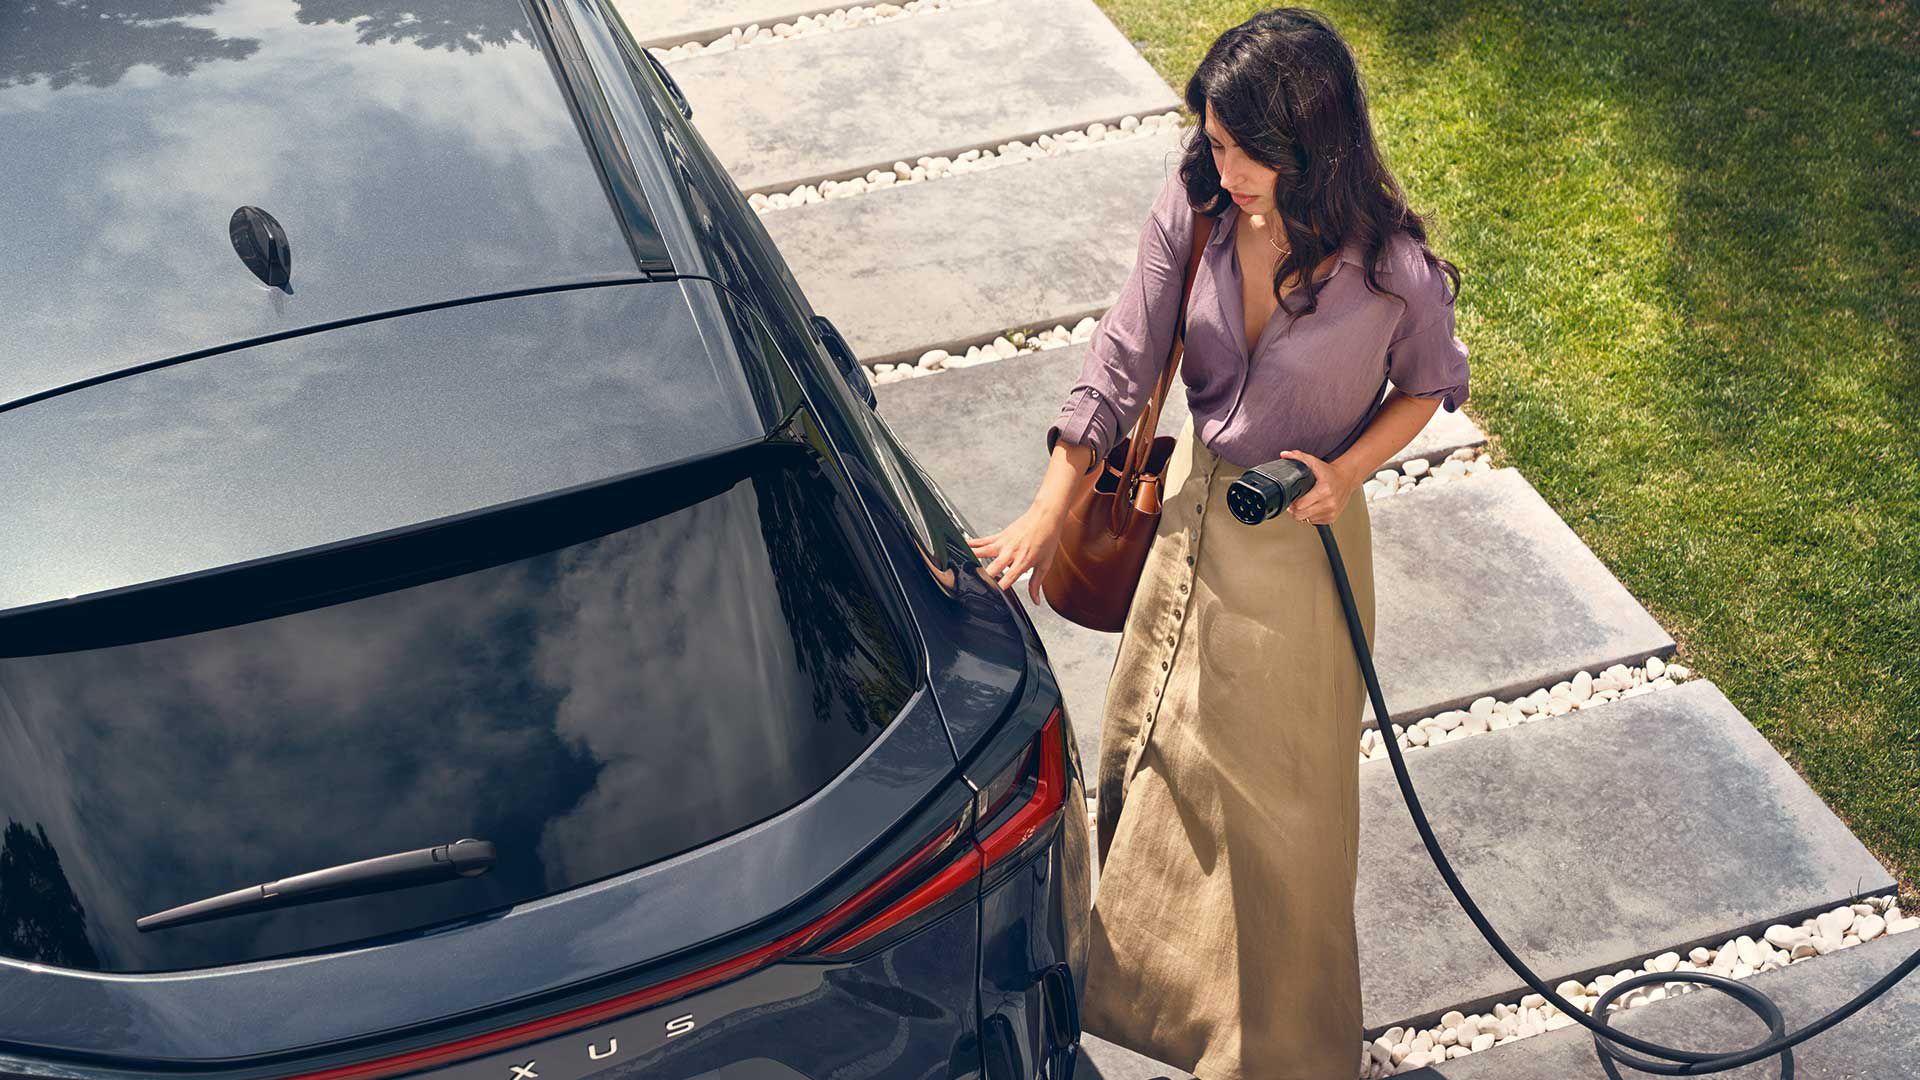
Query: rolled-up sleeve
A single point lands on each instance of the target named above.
(1125, 356)
(1425, 358)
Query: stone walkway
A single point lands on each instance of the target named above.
(958, 184)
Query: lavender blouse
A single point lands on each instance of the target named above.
(1312, 386)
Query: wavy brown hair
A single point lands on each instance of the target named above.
(1285, 85)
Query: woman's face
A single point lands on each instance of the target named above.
(1249, 182)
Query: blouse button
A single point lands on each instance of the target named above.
(1199, 508)
(1183, 586)
(1163, 665)
(1189, 560)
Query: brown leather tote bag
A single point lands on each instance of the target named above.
(1111, 522)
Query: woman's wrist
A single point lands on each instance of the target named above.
(1350, 470)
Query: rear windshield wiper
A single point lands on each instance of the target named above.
(462, 858)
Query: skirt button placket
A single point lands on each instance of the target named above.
(1186, 590)
(1175, 621)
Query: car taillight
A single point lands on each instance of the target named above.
(1039, 774)
(1022, 799)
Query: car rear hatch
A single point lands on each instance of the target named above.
(294, 606)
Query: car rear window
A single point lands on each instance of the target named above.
(592, 682)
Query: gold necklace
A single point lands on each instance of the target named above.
(1269, 235)
(1276, 247)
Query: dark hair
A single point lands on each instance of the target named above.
(1284, 84)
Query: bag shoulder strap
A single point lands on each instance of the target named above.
(1149, 421)
(1140, 441)
(1202, 232)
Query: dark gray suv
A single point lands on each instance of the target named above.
(459, 610)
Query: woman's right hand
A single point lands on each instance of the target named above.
(1028, 542)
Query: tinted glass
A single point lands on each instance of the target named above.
(592, 683)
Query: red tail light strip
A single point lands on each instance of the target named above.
(653, 995)
(966, 869)
(1049, 794)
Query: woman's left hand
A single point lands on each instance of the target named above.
(1324, 501)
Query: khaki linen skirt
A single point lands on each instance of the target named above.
(1228, 818)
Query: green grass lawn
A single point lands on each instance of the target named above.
(1689, 236)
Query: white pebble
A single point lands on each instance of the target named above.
(1582, 686)
(1836, 922)
(1784, 937)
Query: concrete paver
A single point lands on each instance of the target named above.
(952, 262)
(1481, 589)
(670, 22)
(797, 111)
(1660, 821)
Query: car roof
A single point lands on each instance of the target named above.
(411, 161)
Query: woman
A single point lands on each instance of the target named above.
(1228, 792)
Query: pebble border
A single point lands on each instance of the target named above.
(1402, 1049)
(1583, 691)
(1002, 347)
(1418, 472)
(846, 18)
(926, 167)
